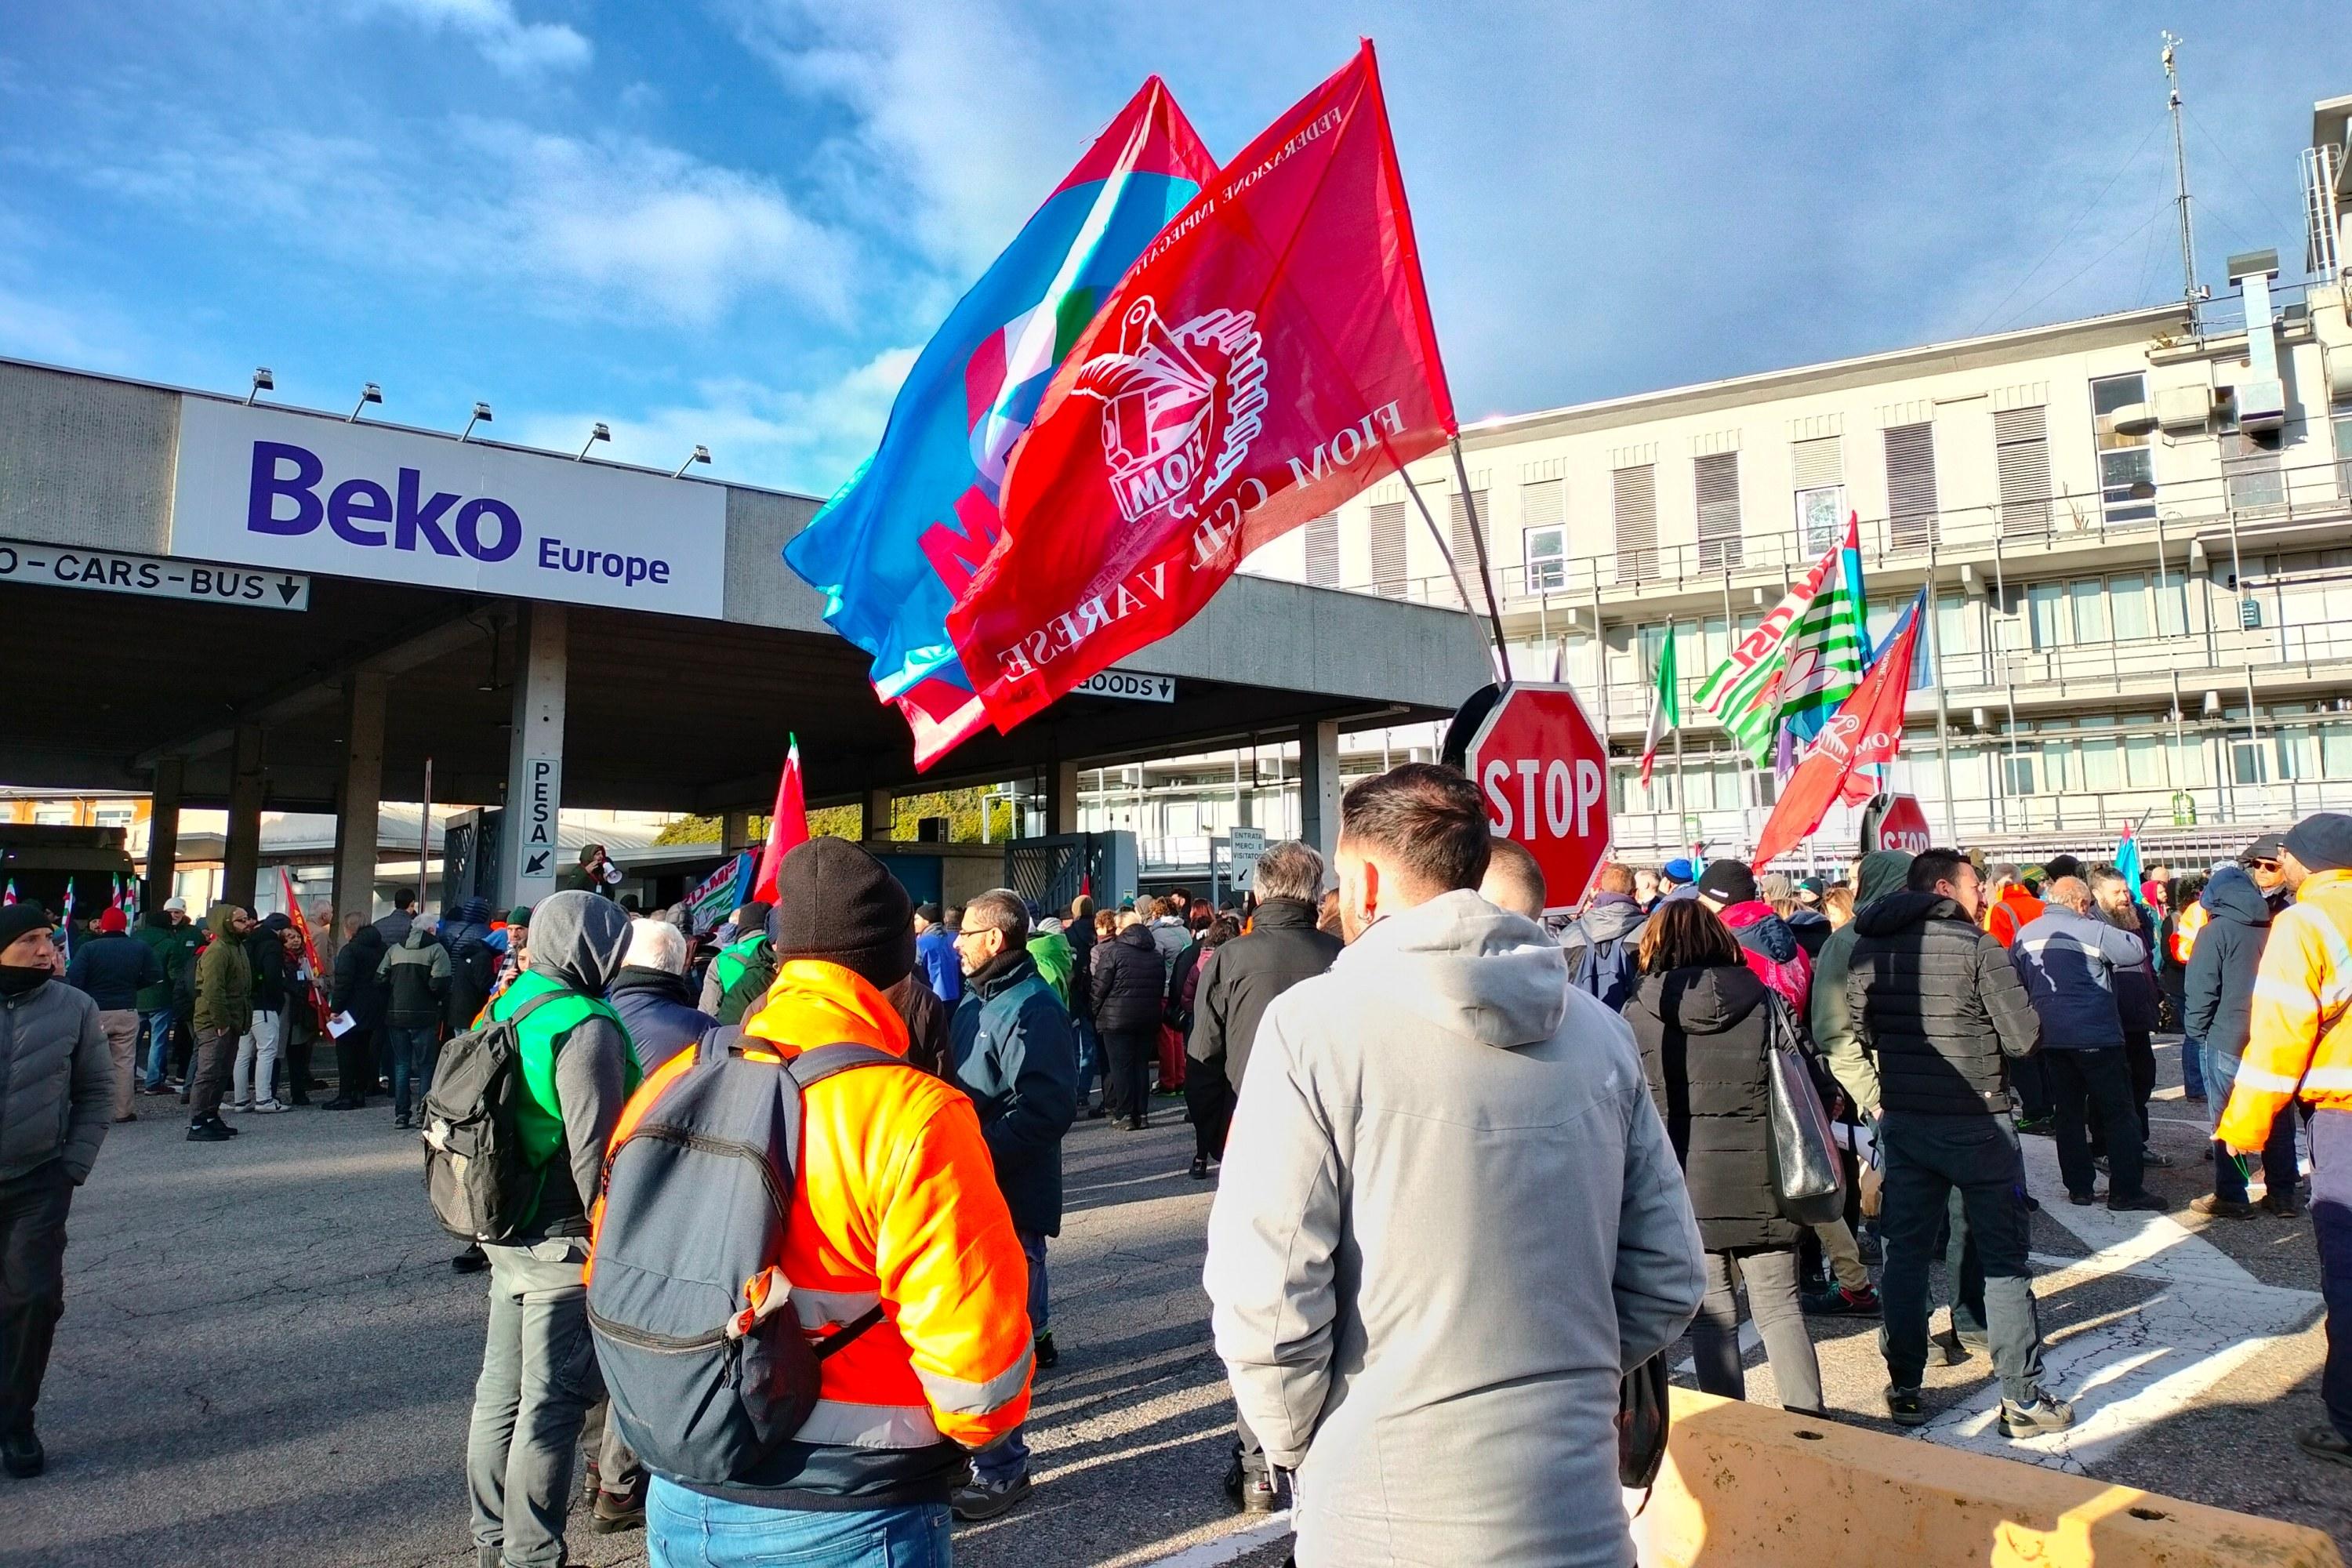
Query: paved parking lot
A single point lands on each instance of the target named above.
(266, 1359)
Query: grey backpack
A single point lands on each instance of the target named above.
(704, 1355)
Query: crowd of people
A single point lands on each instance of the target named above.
(1431, 1102)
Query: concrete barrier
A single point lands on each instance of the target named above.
(1751, 1486)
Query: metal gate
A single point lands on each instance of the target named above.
(1050, 872)
(469, 855)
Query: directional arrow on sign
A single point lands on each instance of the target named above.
(287, 586)
(536, 865)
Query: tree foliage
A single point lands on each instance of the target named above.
(961, 808)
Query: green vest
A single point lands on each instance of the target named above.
(736, 957)
(537, 1121)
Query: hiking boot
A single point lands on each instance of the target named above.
(2139, 1203)
(1256, 1494)
(2319, 1442)
(1048, 1356)
(473, 1260)
(978, 1499)
(2045, 1416)
(210, 1131)
(1840, 1302)
(1903, 1407)
(2282, 1206)
(22, 1456)
(614, 1513)
(2216, 1207)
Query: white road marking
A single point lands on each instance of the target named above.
(2134, 1368)
(1243, 1539)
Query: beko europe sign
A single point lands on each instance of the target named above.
(272, 489)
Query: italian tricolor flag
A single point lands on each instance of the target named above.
(1665, 710)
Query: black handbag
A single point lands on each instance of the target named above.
(1643, 1418)
(1808, 1177)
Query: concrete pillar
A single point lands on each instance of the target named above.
(530, 850)
(1061, 799)
(875, 822)
(1319, 786)
(735, 830)
(163, 831)
(241, 859)
(359, 794)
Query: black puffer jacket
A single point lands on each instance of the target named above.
(1129, 982)
(1937, 1003)
(1240, 979)
(1703, 1034)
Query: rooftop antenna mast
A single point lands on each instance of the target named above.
(2190, 294)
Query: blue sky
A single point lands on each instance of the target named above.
(734, 222)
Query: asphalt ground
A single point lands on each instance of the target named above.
(266, 1359)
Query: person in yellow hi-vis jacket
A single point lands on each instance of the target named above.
(2299, 1047)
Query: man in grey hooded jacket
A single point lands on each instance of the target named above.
(1450, 1219)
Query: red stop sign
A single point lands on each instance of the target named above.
(1897, 822)
(1544, 769)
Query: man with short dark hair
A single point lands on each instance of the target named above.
(1513, 880)
(1015, 1055)
(935, 954)
(393, 926)
(1939, 1007)
(1398, 1162)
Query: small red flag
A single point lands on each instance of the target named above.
(787, 828)
(1866, 729)
(310, 946)
(1270, 354)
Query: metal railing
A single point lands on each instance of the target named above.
(2238, 501)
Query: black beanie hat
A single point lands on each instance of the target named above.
(24, 916)
(2322, 841)
(1728, 882)
(836, 902)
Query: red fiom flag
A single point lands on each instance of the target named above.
(1268, 356)
(787, 828)
(1866, 729)
(310, 948)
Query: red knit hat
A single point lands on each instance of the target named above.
(113, 921)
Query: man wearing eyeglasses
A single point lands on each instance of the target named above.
(2261, 859)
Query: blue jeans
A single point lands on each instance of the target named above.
(2279, 1173)
(412, 1058)
(1005, 1460)
(2193, 1068)
(1090, 1056)
(158, 1045)
(688, 1529)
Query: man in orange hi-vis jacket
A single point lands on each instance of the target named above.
(2299, 1047)
(897, 1203)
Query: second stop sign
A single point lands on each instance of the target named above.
(1544, 772)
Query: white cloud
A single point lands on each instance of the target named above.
(806, 440)
(516, 48)
(614, 225)
(955, 103)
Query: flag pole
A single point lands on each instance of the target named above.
(1446, 552)
(1478, 543)
(1942, 712)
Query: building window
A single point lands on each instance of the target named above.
(1819, 471)
(1323, 550)
(1716, 478)
(1911, 486)
(2344, 451)
(1387, 548)
(2125, 463)
(1633, 499)
(115, 815)
(1462, 533)
(54, 815)
(1543, 507)
(2252, 480)
(2022, 444)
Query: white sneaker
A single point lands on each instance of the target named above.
(240, 1110)
(266, 1106)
